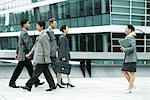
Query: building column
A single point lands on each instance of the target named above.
(73, 40)
(105, 42)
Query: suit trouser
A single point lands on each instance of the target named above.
(21, 64)
(37, 72)
(53, 59)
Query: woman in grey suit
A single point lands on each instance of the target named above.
(130, 58)
(63, 54)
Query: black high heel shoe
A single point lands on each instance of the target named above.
(59, 86)
(68, 84)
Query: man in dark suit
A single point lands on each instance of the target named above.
(41, 58)
(53, 42)
(24, 46)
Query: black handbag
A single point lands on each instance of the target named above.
(62, 67)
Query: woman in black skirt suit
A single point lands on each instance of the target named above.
(63, 53)
(130, 58)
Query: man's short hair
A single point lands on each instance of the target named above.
(41, 23)
(23, 22)
(51, 20)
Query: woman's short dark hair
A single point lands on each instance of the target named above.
(41, 23)
(131, 27)
(63, 27)
(24, 21)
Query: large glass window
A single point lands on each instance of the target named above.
(54, 10)
(139, 23)
(59, 23)
(138, 11)
(60, 10)
(90, 41)
(89, 21)
(89, 7)
(81, 8)
(97, 20)
(120, 10)
(83, 42)
(73, 7)
(138, 4)
(74, 13)
(2, 21)
(36, 14)
(67, 9)
(97, 7)
(8, 43)
(134, 17)
(121, 2)
(73, 22)
(148, 7)
(120, 22)
(119, 16)
(44, 12)
(67, 22)
(81, 21)
(105, 6)
(99, 43)
(105, 19)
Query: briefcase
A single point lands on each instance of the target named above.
(62, 67)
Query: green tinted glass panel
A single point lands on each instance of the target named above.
(118, 22)
(121, 10)
(138, 11)
(138, 4)
(121, 2)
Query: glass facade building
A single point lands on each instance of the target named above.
(135, 12)
(74, 13)
(82, 14)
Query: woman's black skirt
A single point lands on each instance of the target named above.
(131, 67)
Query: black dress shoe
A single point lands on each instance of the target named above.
(13, 86)
(37, 84)
(50, 89)
(26, 88)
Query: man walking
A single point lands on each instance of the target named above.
(53, 43)
(25, 45)
(41, 58)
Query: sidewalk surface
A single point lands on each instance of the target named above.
(86, 89)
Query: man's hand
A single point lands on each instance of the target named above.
(63, 59)
(27, 56)
(47, 61)
(122, 49)
(17, 56)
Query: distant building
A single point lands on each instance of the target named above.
(95, 25)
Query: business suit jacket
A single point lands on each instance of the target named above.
(130, 52)
(53, 42)
(25, 45)
(41, 49)
(63, 50)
